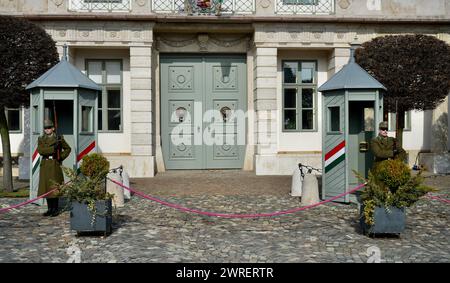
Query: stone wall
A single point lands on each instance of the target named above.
(138, 39)
(376, 9)
(272, 38)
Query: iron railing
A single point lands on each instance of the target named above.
(305, 7)
(203, 7)
(100, 5)
(207, 7)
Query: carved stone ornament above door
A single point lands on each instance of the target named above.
(202, 40)
(205, 42)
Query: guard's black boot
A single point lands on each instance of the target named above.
(55, 211)
(49, 208)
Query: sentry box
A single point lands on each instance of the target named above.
(67, 97)
(352, 109)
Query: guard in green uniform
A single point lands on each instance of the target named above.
(384, 147)
(53, 149)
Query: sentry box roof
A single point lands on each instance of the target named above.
(64, 75)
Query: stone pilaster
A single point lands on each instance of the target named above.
(142, 162)
(265, 90)
(338, 58)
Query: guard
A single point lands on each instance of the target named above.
(384, 147)
(53, 149)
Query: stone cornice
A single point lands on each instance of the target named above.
(235, 19)
(110, 32)
(334, 35)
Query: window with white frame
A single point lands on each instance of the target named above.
(307, 7)
(392, 121)
(14, 119)
(300, 2)
(99, 5)
(299, 95)
(108, 74)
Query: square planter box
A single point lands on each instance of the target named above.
(386, 222)
(81, 217)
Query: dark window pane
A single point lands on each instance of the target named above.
(335, 120)
(290, 98)
(307, 98)
(308, 72)
(307, 120)
(13, 117)
(113, 98)
(290, 121)
(100, 120)
(114, 120)
(99, 100)
(290, 72)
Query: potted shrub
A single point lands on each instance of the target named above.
(90, 204)
(390, 189)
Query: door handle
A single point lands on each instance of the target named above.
(363, 146)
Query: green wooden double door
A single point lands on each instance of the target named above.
(203, 107)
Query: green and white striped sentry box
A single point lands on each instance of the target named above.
(352, 106)
(66, 93)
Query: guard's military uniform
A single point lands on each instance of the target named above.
(384, 148)
(50, 168)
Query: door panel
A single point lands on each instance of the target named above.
(181, 90)
(225, 88)
(199, 95)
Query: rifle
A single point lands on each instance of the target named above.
(394, 147)
(58, 139)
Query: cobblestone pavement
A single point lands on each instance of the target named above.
(144, 231)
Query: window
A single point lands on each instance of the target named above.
(87, 119)
(35, 116)
(102, 5)
(392, 121)
(334, 119)
(300, 2)
(369, 119)
(13, 117)
(299, 95)
(108, 74)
